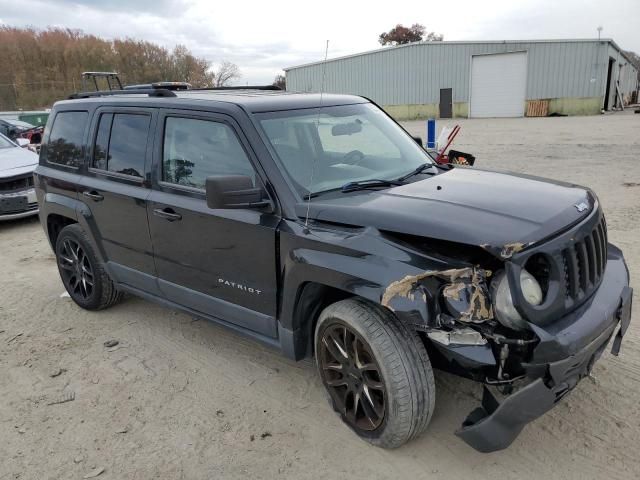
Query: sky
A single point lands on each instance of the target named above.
(263, 37)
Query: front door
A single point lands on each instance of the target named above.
(219, 262)
(115, 192)
(446, 103)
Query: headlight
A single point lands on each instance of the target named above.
(531, 289)
(505, 310)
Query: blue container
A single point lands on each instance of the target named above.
(431, 133)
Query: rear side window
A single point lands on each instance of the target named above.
(65, 140)
(121, 143)
(195, 149)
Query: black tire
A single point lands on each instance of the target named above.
(75, 258)
(405, 380)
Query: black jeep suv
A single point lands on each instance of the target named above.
(317, 225)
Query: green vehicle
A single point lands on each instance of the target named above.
(37, 119)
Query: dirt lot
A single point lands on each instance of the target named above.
(181, 398)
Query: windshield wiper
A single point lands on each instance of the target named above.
(374, 182)
(416, 171)
(353, 186)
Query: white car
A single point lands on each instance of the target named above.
(17, 195)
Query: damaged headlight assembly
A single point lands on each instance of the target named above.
(504, 308)
(469, 297)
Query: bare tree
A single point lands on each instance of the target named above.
(226, 73)
(280, 81)
(434, 37)
(400, 35)
(634, 59)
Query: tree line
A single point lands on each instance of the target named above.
(38, 67)
(401, 35)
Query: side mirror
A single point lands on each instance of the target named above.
(233, 191)
(22, 142)
(418, 140)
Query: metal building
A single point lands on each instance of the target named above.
(480, 79)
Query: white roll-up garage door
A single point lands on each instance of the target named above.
(498, 85)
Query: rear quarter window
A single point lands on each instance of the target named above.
(65, 145)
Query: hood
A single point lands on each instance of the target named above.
(16, 161)
(503, 213)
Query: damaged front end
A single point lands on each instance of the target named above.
(528, 330)
(465, 336)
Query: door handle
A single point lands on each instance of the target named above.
(93, 195)
(167, 214)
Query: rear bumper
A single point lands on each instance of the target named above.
(581, 341)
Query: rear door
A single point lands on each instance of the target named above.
(218, 262)
(115, 190)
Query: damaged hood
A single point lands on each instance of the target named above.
(16, 161)
(501, 212)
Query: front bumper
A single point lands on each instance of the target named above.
(16, 205)
(579, 339)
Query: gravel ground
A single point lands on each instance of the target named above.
(182, 398)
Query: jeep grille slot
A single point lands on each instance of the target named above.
(584, 263)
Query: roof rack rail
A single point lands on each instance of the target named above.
(165, 85)
(152, 92)
(247, 87)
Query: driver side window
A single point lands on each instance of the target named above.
(195, 149)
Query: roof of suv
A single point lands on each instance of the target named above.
(251, 100)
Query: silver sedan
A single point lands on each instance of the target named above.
(17, 195)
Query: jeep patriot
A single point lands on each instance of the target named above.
(317, 225)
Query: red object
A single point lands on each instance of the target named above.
(34, 135)
(442, 158)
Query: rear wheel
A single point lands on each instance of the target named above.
(82, 274)
(376, 372)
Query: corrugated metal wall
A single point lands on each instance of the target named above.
(414, 74)
(622, 71)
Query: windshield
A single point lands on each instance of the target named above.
(347, 143)
(5, 142)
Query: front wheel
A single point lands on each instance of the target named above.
(376, 372)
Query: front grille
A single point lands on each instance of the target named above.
(16, 184)
(570, 267)
(584, 263)
(30, 208)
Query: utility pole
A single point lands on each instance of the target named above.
(599, 31)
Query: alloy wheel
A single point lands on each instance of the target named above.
(352, 376)
(75, 269)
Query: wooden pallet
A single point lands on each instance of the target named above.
(537, 108)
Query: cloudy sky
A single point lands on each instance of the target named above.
(263, 37)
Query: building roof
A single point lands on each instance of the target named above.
(464, 42)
